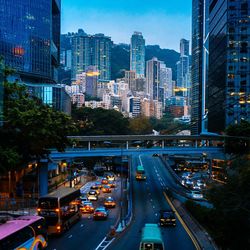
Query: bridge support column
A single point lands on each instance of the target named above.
(195, 143)
(162, 144)
(89, 146)
(126, 144)
(43, 178)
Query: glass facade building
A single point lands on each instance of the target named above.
(30, 38)
(30, 44)
(88, 50)
(54, 95)
(137, 54)
(229, 67)
(199, 66)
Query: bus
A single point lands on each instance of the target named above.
(59, 209)
(140, 173)
(23, 232)
(151, 238)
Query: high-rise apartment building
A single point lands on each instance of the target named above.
(91, 50)
(229, 67)
(199, 69)
(154, 89)
(30, 38)
(137, 54)
(184, 47)
(166, 80)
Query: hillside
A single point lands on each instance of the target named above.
(120, 58)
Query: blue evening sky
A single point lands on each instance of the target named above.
(162, 22)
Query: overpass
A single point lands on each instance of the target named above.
(69, 154)
(163, 141)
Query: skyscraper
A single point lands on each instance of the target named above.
(91, 50)
(154, 89)
(199, 69)
(30, 38)
(137, 54)
(30, 44)
(229, 67)
(166, 80)
(184, 47)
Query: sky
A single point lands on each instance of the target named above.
(162, 22)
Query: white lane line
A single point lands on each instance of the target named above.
(81, 225)
(106, 242)
(156, 214)
(70, 236)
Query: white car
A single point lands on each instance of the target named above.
(200, 183)
(187, 175)
(196, 195)
(92, 195)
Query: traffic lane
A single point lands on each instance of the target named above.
(88, 233)
(143, 212)
(171, 235)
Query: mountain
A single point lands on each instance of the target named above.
(120, 58)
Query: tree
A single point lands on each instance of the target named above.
(140, 125)
(99, 121)
(30, 128)
(232, 207)
(241, 144)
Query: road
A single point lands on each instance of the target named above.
(87, 233)
(148, 199)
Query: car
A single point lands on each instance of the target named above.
(96, 185)
(96, 190)
(196, 195)
(83, 198)
(187, 175)
(112, 184)
(109, 202)
(100, 213)
(110, 176)
(105, 181)
(87, 207)
(167, 218)
(196, 187)
(189, 182)
(106, 189)
(155, 155)
(201, 183)
(92, 195)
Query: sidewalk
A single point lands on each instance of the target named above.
(204, 239)
(22, 208)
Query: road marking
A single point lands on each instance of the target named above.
(81, 225)
(195, 242)
(156, 214)
(70, 236)
(106, 244)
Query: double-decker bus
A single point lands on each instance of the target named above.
(24, 232)
(140, 173)
(59, 209)
(151, 238)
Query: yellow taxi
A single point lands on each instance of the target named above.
(109, 202)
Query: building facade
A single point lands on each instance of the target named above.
(30, 38)
(199, 70)
(91, 50)
(229, 67)
(153, 79)
(137, 54)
